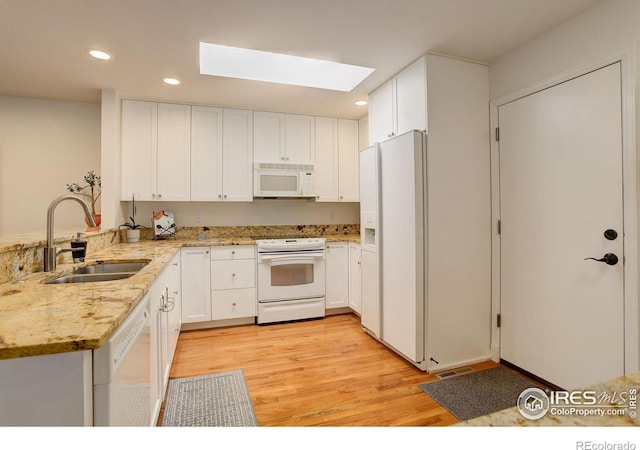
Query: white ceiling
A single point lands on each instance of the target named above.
(44, 44)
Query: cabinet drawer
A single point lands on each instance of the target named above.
(233, 274)
(233, 252)
(232, 304)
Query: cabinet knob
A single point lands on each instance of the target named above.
(207, 252)
(233, 304)
(219, 195)
(225, 195)
(233, 274)
(159, 195)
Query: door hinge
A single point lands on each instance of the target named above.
(499, 226)
(497, 134)
(498, 320)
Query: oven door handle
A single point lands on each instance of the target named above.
(297, 257)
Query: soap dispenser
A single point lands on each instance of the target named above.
(78, 248)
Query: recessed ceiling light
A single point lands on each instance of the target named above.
(98, 54)
(234, 62)
(171, 81)
(361, 102)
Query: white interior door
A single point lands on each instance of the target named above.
(560, 191)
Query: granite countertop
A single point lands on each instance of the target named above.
(39, 319)
(617, 412)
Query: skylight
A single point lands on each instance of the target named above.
(234, 62)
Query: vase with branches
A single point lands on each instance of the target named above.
(91, 190)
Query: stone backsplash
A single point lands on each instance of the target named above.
(23, 255)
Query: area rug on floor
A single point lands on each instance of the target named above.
(478, 393)
(216, 400)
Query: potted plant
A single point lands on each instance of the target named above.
(133, 229)
(93, 186)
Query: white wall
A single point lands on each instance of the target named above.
(45, 145)
(597, 33)
(110, 154)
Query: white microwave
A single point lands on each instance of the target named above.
(283, 180)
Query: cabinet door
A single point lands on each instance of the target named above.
(268, 137)
(196, 284)
(206, 153)
(411, 98)
(381, 113)
(355, 277)
(237, 162)
(348, 153)
(174, 152)
(238, 274)
(139, 149)
(300, 143)
(233, 303)
(326, 166)
(337, 275)
(157, 329)
(175, 306)
(370, 304)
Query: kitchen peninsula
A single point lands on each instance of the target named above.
(45, 320)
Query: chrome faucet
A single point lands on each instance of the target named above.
(50, 252)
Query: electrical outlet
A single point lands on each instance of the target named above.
(198, 217)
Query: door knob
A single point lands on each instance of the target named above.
(609, 258)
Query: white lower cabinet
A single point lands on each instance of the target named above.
(196, 284)
(165, 307)
(218, 283)
(355, 277)
(337, 275)
(233, 282)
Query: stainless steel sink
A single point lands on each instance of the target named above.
(111, 267)
(89, 278)
(100, 271)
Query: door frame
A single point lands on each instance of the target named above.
(627, 61)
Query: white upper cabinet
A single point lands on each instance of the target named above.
(139, 149)
(326, 167)
(237, 159)
(348, 165)
(206, 153)
(268, 137)
(381, 113)
(221, 154)
(336, 168)
(411, 98)
(283, 138)
(155, 151)
(399, 105)
(300, 141)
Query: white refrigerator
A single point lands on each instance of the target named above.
(393, 238)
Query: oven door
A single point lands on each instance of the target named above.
(284, 276)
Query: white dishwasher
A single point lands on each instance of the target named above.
(122, 373)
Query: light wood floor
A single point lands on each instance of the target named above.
(324, 372)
